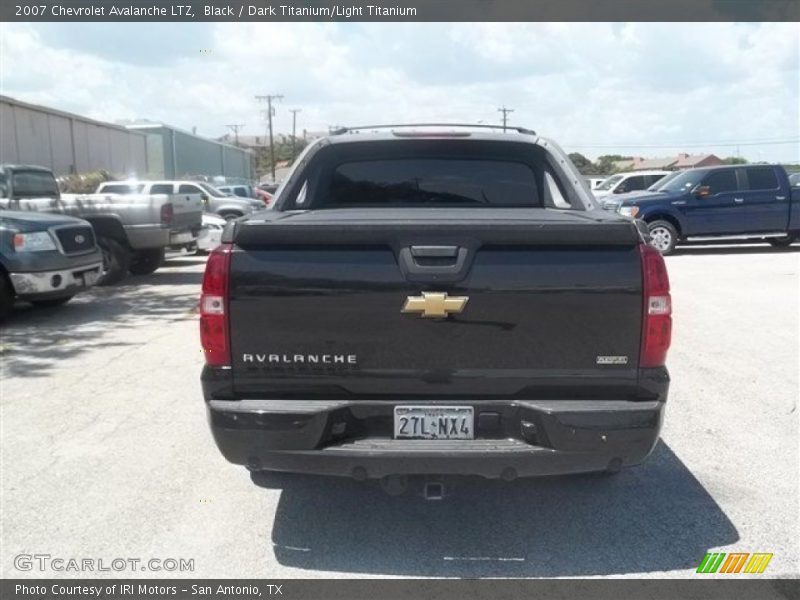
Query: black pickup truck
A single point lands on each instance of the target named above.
(435, 301)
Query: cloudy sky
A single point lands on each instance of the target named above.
(639, 88)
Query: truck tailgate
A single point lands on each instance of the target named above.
(188, 211)
(550, 299)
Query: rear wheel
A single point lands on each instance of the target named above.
(230, 216)
(51, 302)
(782, 242)
(6, 296)
(146, 261)
(116, 260)
(663, 236)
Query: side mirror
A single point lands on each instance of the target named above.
(703, 191)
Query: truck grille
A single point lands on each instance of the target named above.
(76, 240)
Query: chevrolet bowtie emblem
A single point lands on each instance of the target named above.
(435, 305)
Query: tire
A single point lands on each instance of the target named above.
(782, 242)
(200, 252)
(230, 216)
(116, 261)
(146, 261)
(663, 236)
(6, 296)
(52, 302)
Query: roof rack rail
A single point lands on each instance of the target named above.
(523, 130)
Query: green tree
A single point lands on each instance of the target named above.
(284, 151)
(604, 165)
(734, 160)
(583, 164)
(85, 183)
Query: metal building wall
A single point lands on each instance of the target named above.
(176, 154)
(67, 143)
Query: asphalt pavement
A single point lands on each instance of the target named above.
(105, 454)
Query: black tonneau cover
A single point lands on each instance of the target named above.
(529, 226)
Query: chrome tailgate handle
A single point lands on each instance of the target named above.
(434, 251)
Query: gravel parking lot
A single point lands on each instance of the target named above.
(106, 453)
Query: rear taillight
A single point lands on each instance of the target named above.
(167, 213)
(657, 313)
(214, 308)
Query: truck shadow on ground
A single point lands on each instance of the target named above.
(34, 341)
(656, 517)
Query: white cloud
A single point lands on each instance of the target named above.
(582, 84)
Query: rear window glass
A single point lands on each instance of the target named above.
(122, 188)
(434, 182)
(762, 178)
(34, 183)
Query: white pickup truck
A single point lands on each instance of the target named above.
(133, 229)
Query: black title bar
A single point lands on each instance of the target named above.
(400, 10)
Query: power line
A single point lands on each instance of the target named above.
(505, 112)
(235, 129)
(690, 144)
(294, 112)
(268, 98)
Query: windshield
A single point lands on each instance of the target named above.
(609, 183)
(663, 181)
(681, 182)
(34, 183)
(212, 190)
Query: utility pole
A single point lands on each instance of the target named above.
(294, 112)
(505, 112)
(235, 129)
(268, 98)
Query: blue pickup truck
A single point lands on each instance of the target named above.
(717, 204)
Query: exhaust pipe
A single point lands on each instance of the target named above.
(433, 490)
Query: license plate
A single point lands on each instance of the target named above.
(434, 423)
(89, 278)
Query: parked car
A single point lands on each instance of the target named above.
(270, 188)
(132, 228)
(45, 259)
(240, 190)
(215, 201)
(211, 233)
(264, 196)
(246, 191)
(622, 183)
(594, 182)
(717, 204)
(499, 364)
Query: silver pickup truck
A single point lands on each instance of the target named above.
(133, 229)
(214, 201)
